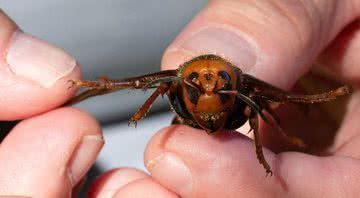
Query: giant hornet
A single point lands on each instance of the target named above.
(210, 93)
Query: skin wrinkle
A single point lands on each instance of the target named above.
(226, 13)
(168, 142)
(317, 32)
(226, 10)
(249, 14)
(31, 123)
(7, 78)
(11, 28)
(152, 187)
(327, 23)
(305, 36)
(129, 184)
(76, 142)
(327, 168)
(342, 149)
(244, 34)
(233, 28)
(228, 28)
(19, 49)
(6, 51)
(301, 36)
(314, 20)
(334, 9)
(340, 57)
(4, 67)
(288, 48)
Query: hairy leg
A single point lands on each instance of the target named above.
(254, 125)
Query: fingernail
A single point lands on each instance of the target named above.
(172, 172)
(84, 156)
(224, 41)
(36, 60)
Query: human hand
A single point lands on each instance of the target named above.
(50, 150)
(277, 41)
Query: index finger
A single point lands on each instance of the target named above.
(33, 73)
(274, 40)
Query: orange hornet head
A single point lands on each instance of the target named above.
(203, 78)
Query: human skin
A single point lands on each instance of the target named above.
(48, 153)
(276, 41)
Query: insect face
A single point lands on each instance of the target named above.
(202, 81)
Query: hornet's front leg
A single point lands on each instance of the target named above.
(95, 88)
(254, 125)
(104, 85)
(161, 90)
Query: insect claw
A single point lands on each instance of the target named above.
(268, 173)
(72, 83)
(132, 122)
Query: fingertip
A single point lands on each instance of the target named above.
(160, 141)
(22, 99)
(144, 188)
(33, 73)
(110, 182)
(61, 145)
(190, 162)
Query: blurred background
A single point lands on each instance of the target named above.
(117, 38)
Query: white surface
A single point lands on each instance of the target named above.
(125, 145)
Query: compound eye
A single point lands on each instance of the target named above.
(224, 75)
(193, 76)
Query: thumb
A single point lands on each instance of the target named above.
(274, 40)
(33, 73)
(193, 164)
